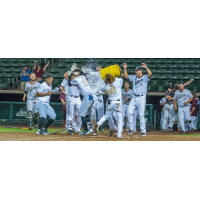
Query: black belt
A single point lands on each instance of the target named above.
(74, 96)
(138, 95)
(115, 100)
(169, 103)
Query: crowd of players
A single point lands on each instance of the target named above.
(188, 107)
(121, 103)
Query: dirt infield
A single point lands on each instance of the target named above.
(151, 136)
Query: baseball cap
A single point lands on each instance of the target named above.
(181, 82)
(138, 68)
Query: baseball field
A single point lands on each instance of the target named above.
(23, 134)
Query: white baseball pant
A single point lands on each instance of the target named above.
(135, 114)
(98, 107)
(73, 109)
(168, 110)
(184, 115)
(114, 106)
(124, 114)
(168, 121)
(193, 123)
(137, 102)
(86, 104)
(31, 105)
(111, 122)
(45, 109)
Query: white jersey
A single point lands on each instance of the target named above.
(114, 90)
(128, 95)
(163, 100)
(32, 90)
(73, 90)
(182, 97)
(44, 88)
(64, 84)
(139, 84)
(82, 85)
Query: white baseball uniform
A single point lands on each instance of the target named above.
(183, 111)
(96, 83)
(128, 94)
(31, 99)
(138, 99)
(114, 104)
(168, 109)
(43, 102)
(86, 92)
(73, 108)
(163, 100)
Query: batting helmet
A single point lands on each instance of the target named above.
(170, 85)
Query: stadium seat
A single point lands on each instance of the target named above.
(194, 71)
(154, 88)
(177, 77)
(162, 61)
(4, 87)
(167, 77)
(184, 71)
(161, 71)
(172, 61)
(9, 64)
(156, 77)
(195, 66)
(153, 61)
(172, 71)
(161, 82)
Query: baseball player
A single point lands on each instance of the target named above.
(88, 100)
(113, 89)
(169, 108)
(182, 98)
(43, 96)
(30, 92)
(162, 103)
(73, 106)
(63, 101)
(138, 101)
(127, 94)
(194, 112)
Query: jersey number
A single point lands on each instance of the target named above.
(85, 82)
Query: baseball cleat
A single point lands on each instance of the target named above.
(101, 128)
(170, 129)
(120, 137)
(94, 134)
(143, 134)
(70, 132)
(88, 132)
(41, 132)
(112, 132)
(63, 130)
(46, 132)
(30, 127)
(131, 132)
(96, 128)
(127, 129)
(194, 130)
(182, 131)
(163, 130)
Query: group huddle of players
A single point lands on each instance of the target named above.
(188, 107)
(121, 103)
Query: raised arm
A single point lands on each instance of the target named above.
(148, 70)
(66, 74)
(35, 65)
(46, 66)
(187, 83)
(125, 70)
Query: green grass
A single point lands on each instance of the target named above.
(14, 130)
(193, 135)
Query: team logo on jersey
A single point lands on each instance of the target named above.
(138, 81)
(180, 96)
(32, 88)
(85, 82)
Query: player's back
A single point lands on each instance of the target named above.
(44, 88)
(31, 89)
(82, 84)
